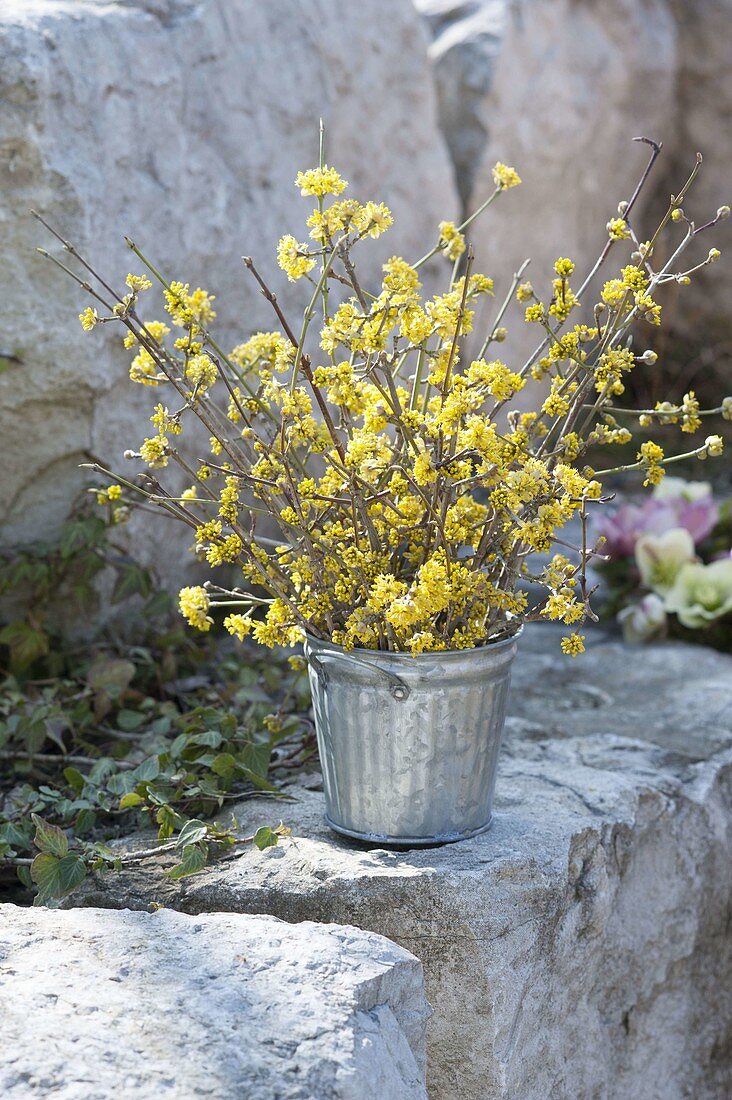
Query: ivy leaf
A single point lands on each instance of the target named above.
(23, 874)
(10, 834)
(260, 783)
(49, 838)
(265, 838)
(192, 832)
(85, 821)
(256, 759)
(81, 534)
(54, 877)
(224, 765)
(121, 783)
(75, 779)
(132, 798)
(148, 770)
(25, 642)
(131, 581)
(211, 739)
(168, 820)
(129, 720)
(110, 675)
(194, 859)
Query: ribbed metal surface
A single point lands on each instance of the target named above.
(409, 745)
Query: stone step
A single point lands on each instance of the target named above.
(98, 1004)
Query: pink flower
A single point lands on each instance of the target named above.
(675, 503)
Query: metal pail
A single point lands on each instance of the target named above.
(409, 745)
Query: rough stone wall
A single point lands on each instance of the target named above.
(181, 123)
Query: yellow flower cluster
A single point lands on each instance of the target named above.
(452, 241)
(505, 177)
(410, 491)
(294, 258)
(194, 604)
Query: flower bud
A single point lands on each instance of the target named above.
(714, 254)
(645, 420)
(683, 280)
(667, 413)
(649, 357)
(500, 335)
(130, 454)
(722, 213)
(727, 408)
(677, 214)
(622, 207)
(714, 445)
(636, 257)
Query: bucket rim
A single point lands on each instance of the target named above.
(435, 654)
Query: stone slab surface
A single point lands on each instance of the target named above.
(98, 1004)
(580, 948)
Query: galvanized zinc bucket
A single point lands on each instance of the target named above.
(409, 745)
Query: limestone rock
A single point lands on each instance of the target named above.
(570, 90)
(580, 947)
(467, 38)
(181, 124)
(703, 102)
(98, 1003)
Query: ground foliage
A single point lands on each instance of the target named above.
(99, 738)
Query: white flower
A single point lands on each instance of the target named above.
(673, 488)
(702, 593)
(645, 620)
(660, 557)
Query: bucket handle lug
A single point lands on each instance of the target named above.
(398, 689)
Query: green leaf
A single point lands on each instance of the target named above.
(24, 875)
(177, 746)
(256, 758)
(129, 720)
(75, 779)
(211, 739)
(85, 821)
(11, 834)
(25, 642)
(110, 675)
(194, 859)
(121, 783)
(49, 838)
(265, 838)
(260, 783)
(55, 878)
(168, 820)
(132, 798)
(131, 581)
(148, 770)
(192, 832)
(224, 765)
(80, 534)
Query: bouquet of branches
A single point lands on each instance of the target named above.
(410, 489)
